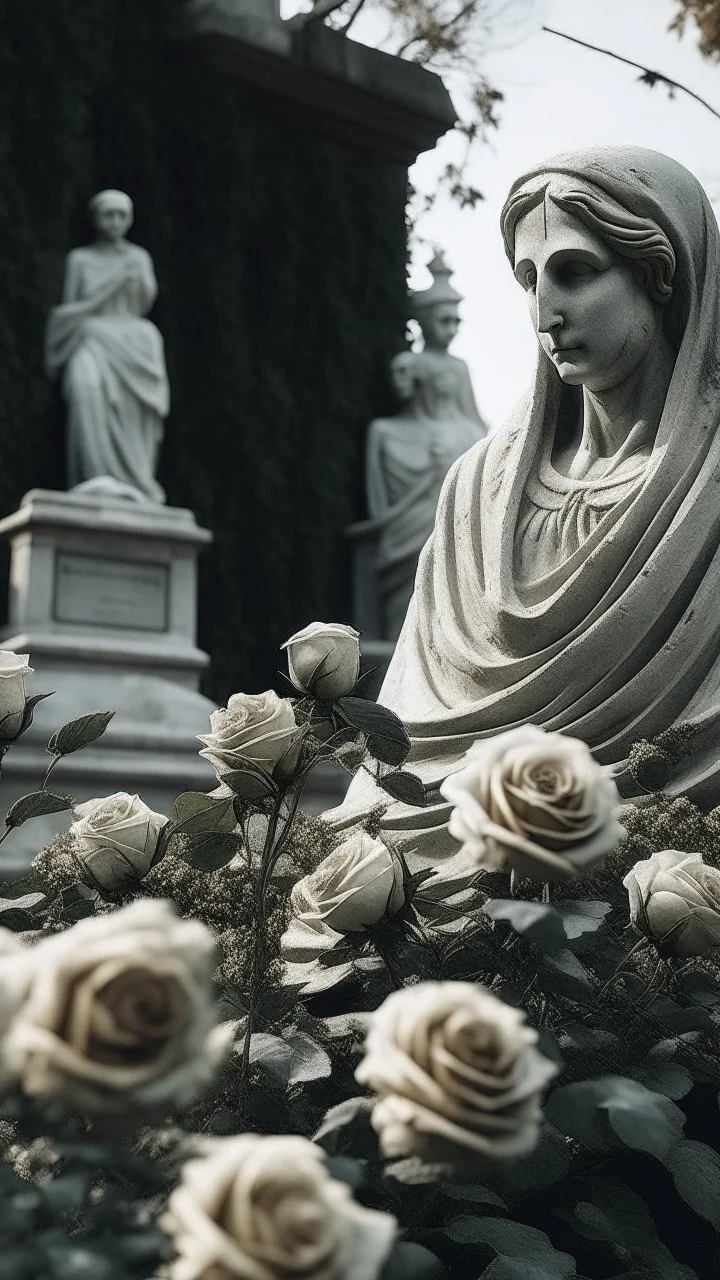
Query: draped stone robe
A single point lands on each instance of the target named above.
(113, 368)
(591, 608)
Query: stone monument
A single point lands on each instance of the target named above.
(573, 575)
(103, 578)
(408, 456)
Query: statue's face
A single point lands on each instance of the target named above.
(113, 221)
(591, 314)
(440, 325)
(401, 375)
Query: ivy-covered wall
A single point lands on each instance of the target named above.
(281, 259)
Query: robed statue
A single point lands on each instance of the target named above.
(407, 456)
(573, 576)
(111, 360)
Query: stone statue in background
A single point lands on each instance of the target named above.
(437, 311)
(111, 360)
(408, 456)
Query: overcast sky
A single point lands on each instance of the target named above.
(557, 96)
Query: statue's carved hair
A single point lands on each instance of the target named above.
(640, 240)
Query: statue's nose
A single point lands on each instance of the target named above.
(549, 313)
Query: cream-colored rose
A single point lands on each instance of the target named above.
(118, 1014)
(533, 801)
(265, 1208)
(354, 887)
(675, 897)
(115, 839)
(458, 1073)
(324, 659)
(255, 728)
(14, 670)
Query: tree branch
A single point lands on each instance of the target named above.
(649, 77)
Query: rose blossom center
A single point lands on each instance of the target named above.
(134, 1011)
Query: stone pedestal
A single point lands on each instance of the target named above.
(103, 598)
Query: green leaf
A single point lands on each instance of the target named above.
(414, 1172)
(28, 902)
(78, 902)
(250, 784)
(695, 1168)
(272, 1055)
(668, 1078)
(534, 920)
(326, 978)
(567, 976)
(210, 850)
(346, 1129)
(621, 1218)
(79, 733)
(36, 805)
(514, 1241)
(410, 1261)
(195, 813)
(388, 739)
(309, 1061)
(581, 917)
(637, 1117)
(473, 1193)
(406, 787)
(30, 705)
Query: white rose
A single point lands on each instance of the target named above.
(534, 801)
(675, 897)
(118, 1013)
(324, 659)
(354, 887)
(115, 838)
(457, 1071)
(265, 1208)
(14, 670)
(255, 728)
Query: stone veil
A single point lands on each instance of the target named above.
(616, 637)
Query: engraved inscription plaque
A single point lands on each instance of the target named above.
(102, 592)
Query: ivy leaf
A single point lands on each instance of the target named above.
(581, 917)
(695, 1168)
(210, 850)
(36, 805)
(534, 920)
(79, 733)
(195, 813)
(388, 739)
(406, 787)
(567, 976)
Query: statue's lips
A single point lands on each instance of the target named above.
(563, 353)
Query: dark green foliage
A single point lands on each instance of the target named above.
(281, 257)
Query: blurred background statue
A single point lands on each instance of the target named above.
(111, 359)
(408, 456)
(437, 311)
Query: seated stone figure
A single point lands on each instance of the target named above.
(573, 575)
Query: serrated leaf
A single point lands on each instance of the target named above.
(346, 1129)
(580, 917)
(406, 787)
(409, 1261)
(695, 1168)
(249, 784)
(210, 850)
(534, 920)
(79, 733)
(515, 1241)
(309, 1061)
(567, 976)
(195, 812)
(36, 805)
(388, 739)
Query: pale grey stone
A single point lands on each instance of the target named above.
(111, 359)
(573, 575)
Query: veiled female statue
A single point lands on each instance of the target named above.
(572, 580)
(111, 359)
(407, 458)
